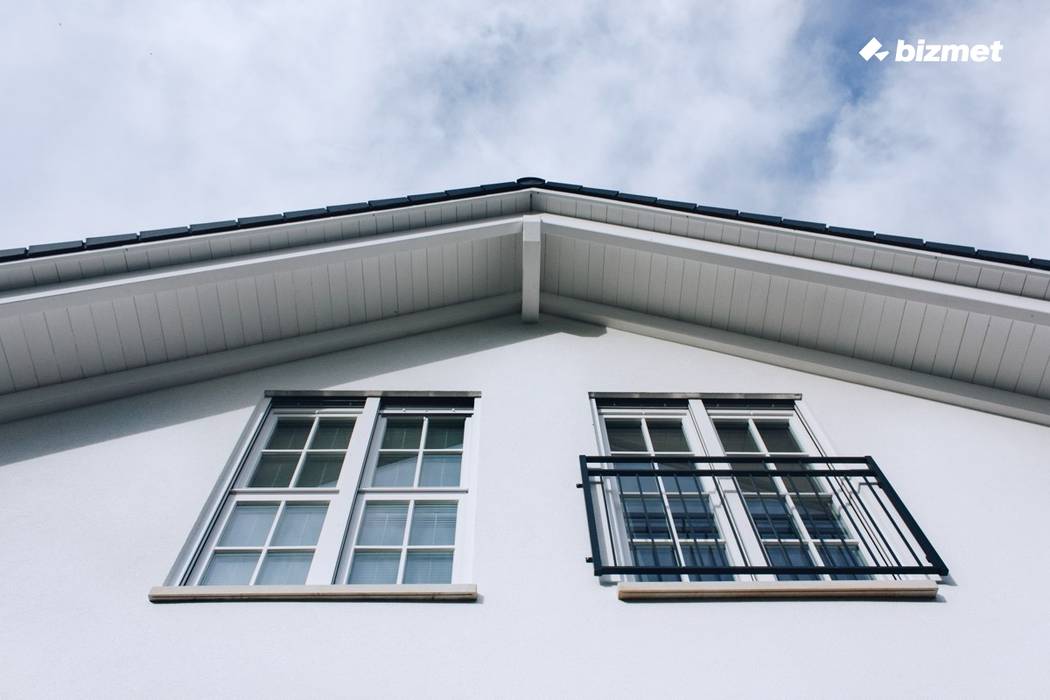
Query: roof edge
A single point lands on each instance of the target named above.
(522, 183)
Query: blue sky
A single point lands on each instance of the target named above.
(129, 116)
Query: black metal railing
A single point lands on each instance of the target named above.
(718, 518)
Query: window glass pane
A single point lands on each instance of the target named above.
(637, 484)
(332, 435)
(289, 434)
(440, 470)
(842, 555)
(300, 524)
(445, 434)
(681, 484)
(790, 555)
(248, 526)
(375, 567)
(693, 518)
(274, 471)
(777, 436)
(393, 469)
(428, 567)
(706, 555)
(645, 519)
(284, 568)
(799, 484)
(655, 555)
(320, 471)
(771, 517)
(230, 569)
(625, 435)
(819, 518)
(667, 436)
(433, 524)
(402, 433)
(735, 436)
(753, 484)
(383, 524)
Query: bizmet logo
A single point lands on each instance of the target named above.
(921, 52)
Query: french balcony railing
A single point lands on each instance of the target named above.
(750, 518)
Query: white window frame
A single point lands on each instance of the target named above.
(341, 519)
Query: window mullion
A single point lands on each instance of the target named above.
(404, 542)
(341, 504)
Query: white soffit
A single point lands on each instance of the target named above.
(86, 326)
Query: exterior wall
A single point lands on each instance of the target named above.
(96, 503)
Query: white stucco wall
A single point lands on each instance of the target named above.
(95, 504)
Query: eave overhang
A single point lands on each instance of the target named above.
(91, 325)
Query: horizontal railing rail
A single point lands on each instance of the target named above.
(754, 516)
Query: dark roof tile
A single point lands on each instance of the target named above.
(159, 234)
(997, 256)
(304, 214)
(717, 211)
(814, 226)
(212, 226)
(464, 192)
(347, 208)
(636, 198)
(501, 187)
(9, 254)
(1040, 263)
(759, 218)
(388, 203)
(54, 248)
(599, 192)
(427, 197)
(97, 242)
(673, 204)
(260, 220)
(904, 241)
(856, 233)
(531, 181)
(562, 186)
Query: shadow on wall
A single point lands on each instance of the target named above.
(26, 439)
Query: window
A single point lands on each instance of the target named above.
(343, 491)
(722, 489)
(405, 525)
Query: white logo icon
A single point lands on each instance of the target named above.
(872, 49)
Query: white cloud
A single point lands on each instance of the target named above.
(952, 152)
(125, 118)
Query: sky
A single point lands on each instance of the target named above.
(128, 116)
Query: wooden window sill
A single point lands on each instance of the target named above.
(779, 590)
(421, 592)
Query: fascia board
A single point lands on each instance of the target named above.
(129, 284)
